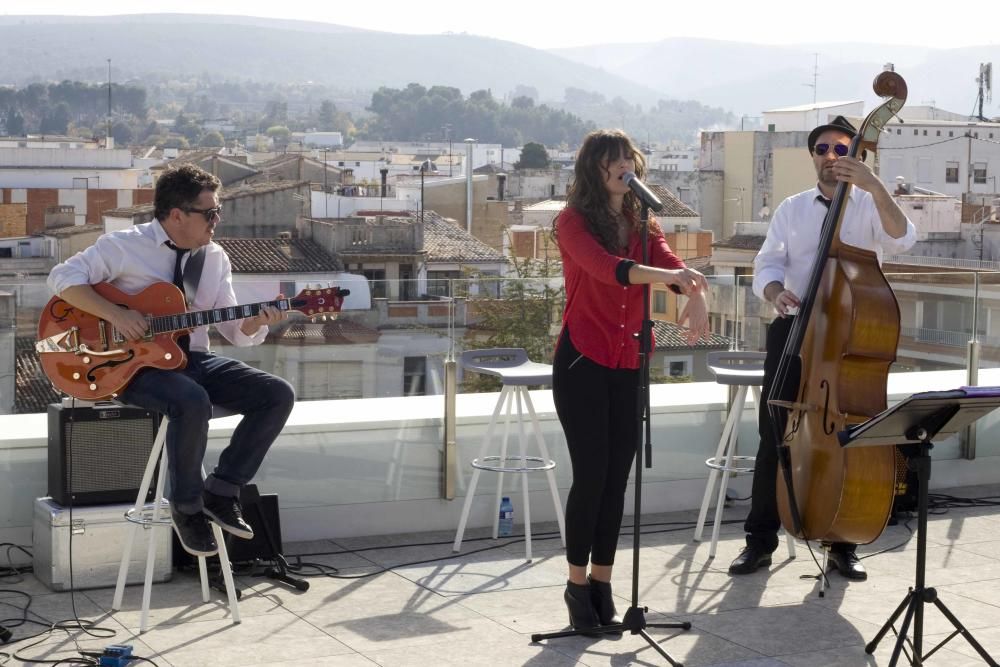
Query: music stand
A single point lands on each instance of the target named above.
(917, 420)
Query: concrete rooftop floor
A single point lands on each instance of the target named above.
(394, 604)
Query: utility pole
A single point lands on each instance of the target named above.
(107, 140)
(968, 168)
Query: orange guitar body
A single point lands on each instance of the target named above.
(111, 363)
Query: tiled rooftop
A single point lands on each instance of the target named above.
(741, 242)
(391, 604)
(672, 206)
(673, 336)
(279, 256)
(445, 241)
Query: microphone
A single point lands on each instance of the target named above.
(641, 191)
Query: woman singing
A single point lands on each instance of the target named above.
(595, 381)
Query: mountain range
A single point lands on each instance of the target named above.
(743, 78)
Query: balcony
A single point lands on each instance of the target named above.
(359, 482)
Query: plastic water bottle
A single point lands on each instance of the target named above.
(506, 525)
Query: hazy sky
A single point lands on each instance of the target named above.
(550, 24)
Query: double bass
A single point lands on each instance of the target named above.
(842, 342)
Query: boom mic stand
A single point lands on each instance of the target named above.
(635, 618)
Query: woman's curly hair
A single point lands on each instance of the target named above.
(588, 195)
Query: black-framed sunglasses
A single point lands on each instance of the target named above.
(209, 213)
(839, 149)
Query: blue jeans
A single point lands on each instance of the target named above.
(186, 396)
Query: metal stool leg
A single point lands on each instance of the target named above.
(470, 494)
(523, 439)
(721, 452)
(147, 586)
(224, 565)
(550, 474)
(736, 413)
(511, 393)
(140, 501)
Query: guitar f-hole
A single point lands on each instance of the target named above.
(111, 363)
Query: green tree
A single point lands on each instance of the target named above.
(533, 156)
(326, 120)
(525, 315)
(122, 133)
(279, 134)
(56, 121)
(212, 140)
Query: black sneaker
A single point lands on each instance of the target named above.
(194, 533)
(226, 511)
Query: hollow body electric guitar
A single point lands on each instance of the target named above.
(85, 357)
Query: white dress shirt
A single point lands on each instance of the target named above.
(793, 236)
(135, 258)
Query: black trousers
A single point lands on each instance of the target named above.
(597, 409)
(762, 522)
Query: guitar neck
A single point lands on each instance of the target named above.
(197, 318)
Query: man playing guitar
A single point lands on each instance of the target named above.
(187, 210)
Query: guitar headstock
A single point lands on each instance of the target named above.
(319, 301)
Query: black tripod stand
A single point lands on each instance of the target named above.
(251, 501)
(635, 618)
(918, 419)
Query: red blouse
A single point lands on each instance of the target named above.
(604, 317)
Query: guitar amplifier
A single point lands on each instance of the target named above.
(107, 445)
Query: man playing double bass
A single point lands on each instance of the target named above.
(872, 221)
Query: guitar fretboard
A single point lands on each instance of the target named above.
(192, 319)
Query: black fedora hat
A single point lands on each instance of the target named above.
(840, 124)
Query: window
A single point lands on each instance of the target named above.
(439, 282)
(660, 302)
(414, 376)
(898, 131)
(939, 133)
(377, 282)
(951, 172)
(979, 172)
(950, 133)
(925, 133)
(916, 131)
(676, 369)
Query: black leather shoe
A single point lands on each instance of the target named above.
(749, 560)
(194, 533)
(604, 603)
(582, 615)
(848, 564)
(226, 511)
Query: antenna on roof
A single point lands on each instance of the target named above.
(985, 82)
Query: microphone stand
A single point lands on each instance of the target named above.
(635, 618)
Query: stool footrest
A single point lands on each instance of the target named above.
(483, 465)
(144, 520)
(714, 462)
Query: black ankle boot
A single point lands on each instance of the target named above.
(603, 601)
(581, 610)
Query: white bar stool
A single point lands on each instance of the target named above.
(144, 515)
(743, 370)
(516, 373)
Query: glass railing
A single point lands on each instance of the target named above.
(393, 337)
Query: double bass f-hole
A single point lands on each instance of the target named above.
(829, 426)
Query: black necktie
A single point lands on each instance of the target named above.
(183, 341)
(820, 198)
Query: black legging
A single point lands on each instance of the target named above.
(597, 408)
